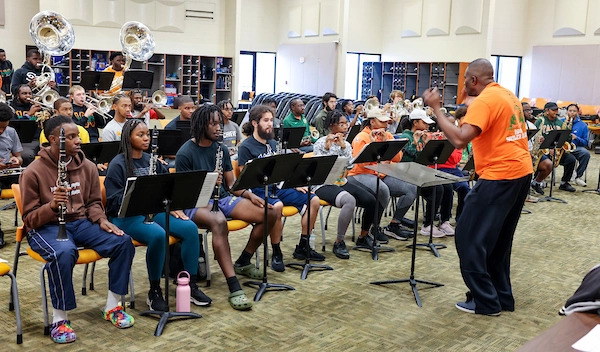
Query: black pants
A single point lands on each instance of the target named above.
(365, 199)
(427, 194)
(568, 162)
(484, 236)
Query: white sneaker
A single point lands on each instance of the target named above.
(425, 231)
(447, 229)
(579, 182)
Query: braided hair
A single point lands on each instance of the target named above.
(201, 119)
(333, 117)
(125, 145)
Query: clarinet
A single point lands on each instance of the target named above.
(152, 169)
(219, 170)
(61, 181)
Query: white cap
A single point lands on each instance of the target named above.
(379, 115)
(419, 114)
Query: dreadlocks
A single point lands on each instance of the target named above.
(201, 119)
(128, 128)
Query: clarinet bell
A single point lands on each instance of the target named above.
(62, 233)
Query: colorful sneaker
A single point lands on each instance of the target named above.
(61, 332)
(119, 318)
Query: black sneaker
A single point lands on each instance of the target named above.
(408, 223)
(366, 241)
(381, 237)
(300, 253)
(397, 231)
(566, 187)
(340, 250)
(198, 297)
(537, 188)
(155, 301)
(277, 263)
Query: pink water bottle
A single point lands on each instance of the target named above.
(183, 292)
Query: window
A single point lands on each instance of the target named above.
(507, 72)
(354, 66)
(257, 72)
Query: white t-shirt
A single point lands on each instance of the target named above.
(112, 131)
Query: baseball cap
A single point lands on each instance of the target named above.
(419, 114)
(551, 106)
(379, 115)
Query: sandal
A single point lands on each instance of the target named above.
(249, 270)
(239, 301)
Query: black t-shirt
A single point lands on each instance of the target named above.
(250, 149)
(192, 157)
(91, 123)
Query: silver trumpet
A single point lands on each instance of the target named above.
(102, 105)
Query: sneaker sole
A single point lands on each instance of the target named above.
(394, 236)
(301, 257)
(473, 312)
(199, 303)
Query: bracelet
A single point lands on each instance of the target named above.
(242, 195)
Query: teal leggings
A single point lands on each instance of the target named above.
(153, 235)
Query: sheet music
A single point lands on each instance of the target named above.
(207, 189)
(590, 342)
(338, 168)
(129, 187)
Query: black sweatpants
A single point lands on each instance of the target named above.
(484, 236)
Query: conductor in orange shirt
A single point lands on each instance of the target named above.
(485, 230)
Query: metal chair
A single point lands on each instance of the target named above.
(14, 301)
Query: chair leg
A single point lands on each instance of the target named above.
(132, 290)
(92, 277)
(16, 216)
(206, 262)
(327, 217)
(15, 293)
(323, 228)
(44, 300)
(83, 285)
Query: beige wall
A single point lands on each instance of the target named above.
(260, 25)
(15, 32)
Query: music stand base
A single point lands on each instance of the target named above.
(264, 286)
(552, 199)
(525, 211)
(307, 267)
(374, 250)
(165, 316)
(596, 191)
(413, 284)
(433, 247)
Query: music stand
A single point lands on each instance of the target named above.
(378, 152)
(137, 79)
(185, 126)
(261, 173)
(101, 152)
(552, 140)
(308, 172)
(169, 141)
(352, 133)
(94, 80)
(532, 132)
(25, 129)
(163, 193)
(420, 176)
(435, 152)
(291, 137)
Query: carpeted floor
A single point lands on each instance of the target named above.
(339, 310)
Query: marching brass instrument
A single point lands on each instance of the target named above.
(102, 105)
(2, 97)
(159, 99)
(398, 110)
(137, 42)
(54, 36)
(371, 105)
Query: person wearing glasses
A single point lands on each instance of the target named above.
(232, 135)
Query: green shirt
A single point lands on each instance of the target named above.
(409, 152)
(291, 121)
(320, 123)
(548, 125)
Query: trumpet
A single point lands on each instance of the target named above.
(102, 105)
(44, 106)
(159, 99)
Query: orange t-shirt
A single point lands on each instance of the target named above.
(117, 82)
(500, 150)
(363, 138)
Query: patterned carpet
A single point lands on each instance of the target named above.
(339, 310)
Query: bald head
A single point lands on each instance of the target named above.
(478, 75)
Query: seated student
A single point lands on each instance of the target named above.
(232, 135)
(342, 194)
(64, 108)
(270, 102)
(329, 101)
(355, 117)
(112, 130)
(296, 118)
(261, 144)
(10, 152)
(185, 105)
(144, 111)
(86, 115)
(417, 134)
(200, 153)
(580, 139)
(87, 226)
(134, 162)
(25, 110)
(374, 129)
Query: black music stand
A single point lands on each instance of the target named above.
(352, 133)
(420, 176)
(552, 140)
(25, 129)
(137, 79)
(95, 80)
(169, 141)
(185, 126)
(101, 152)
(163, 193)
(291, 137)
(261, 173)
(532, 132)
(308, 172)
(378, 152)
(435, 152)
